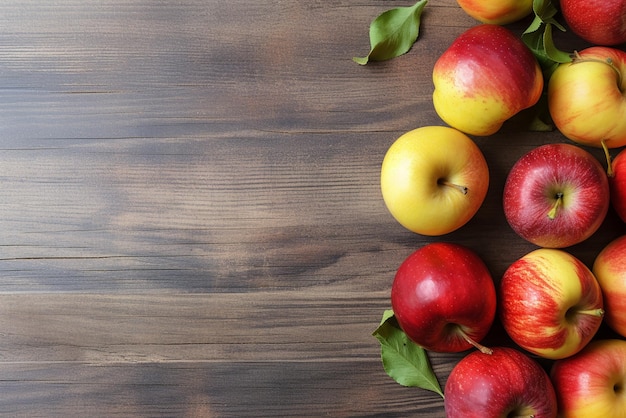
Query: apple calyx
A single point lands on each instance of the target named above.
(444, 182)
(556, 206)
(480, 347)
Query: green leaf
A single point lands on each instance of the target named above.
(538, 37)
(393, 33)
(403, 360)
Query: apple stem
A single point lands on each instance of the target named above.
(556, 206)
(609, 165)
(458, 187)
(577, 58)
(594, 312)
(482, 348)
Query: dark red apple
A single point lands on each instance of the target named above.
(506, 383)
(618, 185)
(556, 195)
(444, 298)
(600, 22)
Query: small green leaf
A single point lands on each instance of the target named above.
(552, 51)
(538, 37)
(403, 360)
(393, 33)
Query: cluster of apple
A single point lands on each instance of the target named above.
(435, 178)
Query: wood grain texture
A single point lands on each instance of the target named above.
(191, 219)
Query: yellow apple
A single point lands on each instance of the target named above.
(587, 100)
(497, 12)
(434, 179)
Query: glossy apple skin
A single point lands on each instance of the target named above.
(617, 185)
(503, 384)
(609, 268)
(585, 98)
(499, 12)
(593, 382)
(412, 173)
(532, 187)
(439, 288)
(484, 78)
(599, 22)
(542, 297)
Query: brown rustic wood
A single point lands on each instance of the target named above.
(191, 219)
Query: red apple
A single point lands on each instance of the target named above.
(556, 195)
(550, 303)
(485, 77)
(444, 298)
(506, 383)
(609, 268)
(593, 382)
(617, 183)
(600, 22)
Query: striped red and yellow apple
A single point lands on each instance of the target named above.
(550, 303)
(592, 383)
(485, 77)
(587, 97)
(609, 268)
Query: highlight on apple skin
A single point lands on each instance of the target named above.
(507, 383)
(592, 383)
(444, 298)
(550, 303)
(556, 195)
(484, 78)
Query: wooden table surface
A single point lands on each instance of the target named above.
(191, 217)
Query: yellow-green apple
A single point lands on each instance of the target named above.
(609, 268)
(593, 382)
(550, 303)
(497, 12)
(617, 183)
(484, 78)
(587, 97)
(600, 22)
(444, 298)
(556, 195)
(507, 383)
(434, 179)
